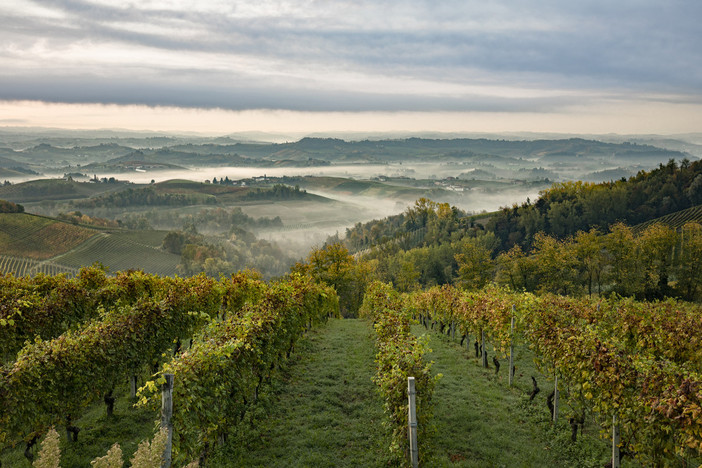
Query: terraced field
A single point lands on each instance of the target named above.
(35, 237)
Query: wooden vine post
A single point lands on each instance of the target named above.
(482, 337)
(412, 394)
(133, 387)
(511, 349)
(616, 461)
(555, 401)
(166, 417)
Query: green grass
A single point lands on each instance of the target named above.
(482, 422)
(322, 411)
(128, 426)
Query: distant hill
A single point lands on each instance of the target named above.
(54, 189)
(183, 151)
(609, 175)
(11, 167)
(366, 188)
(136, 160)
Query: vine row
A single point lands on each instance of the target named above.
(400, 355)
(637, 361)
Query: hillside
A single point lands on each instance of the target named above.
(567, 208)
(30, 244)
(38, 238)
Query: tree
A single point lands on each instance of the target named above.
(625, 275)
(688, 271)
(556, 265)
(656, 244)
(589, 251)
(516, 269)
(475, 264)
(332, 265)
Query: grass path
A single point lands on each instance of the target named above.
(481, 422)
(323, 411)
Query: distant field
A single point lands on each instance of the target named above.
(35, 237)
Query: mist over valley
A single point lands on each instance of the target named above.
(332, 184)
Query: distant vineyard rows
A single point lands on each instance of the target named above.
(121, 254)
(675, 220)
(28, 267)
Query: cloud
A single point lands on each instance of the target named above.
(350, 55)
(241, 96)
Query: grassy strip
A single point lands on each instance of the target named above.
(482, 422)
(322, 410)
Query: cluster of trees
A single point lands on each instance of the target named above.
(144, 197)
(434, 222)
(333, 266)
(210, 220)
(76, 217)
(9, 207)
(658, 262)
(277, 192)
(569, 207)
(241, 251)
(223, 181)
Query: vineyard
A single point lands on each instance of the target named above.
(69, 344)
(94, 332)
(34, 244)
(119, 252)
(637, 364)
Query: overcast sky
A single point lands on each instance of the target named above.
(226, 65)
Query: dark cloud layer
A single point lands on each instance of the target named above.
(298, 55)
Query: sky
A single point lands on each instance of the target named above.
(219, 66)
